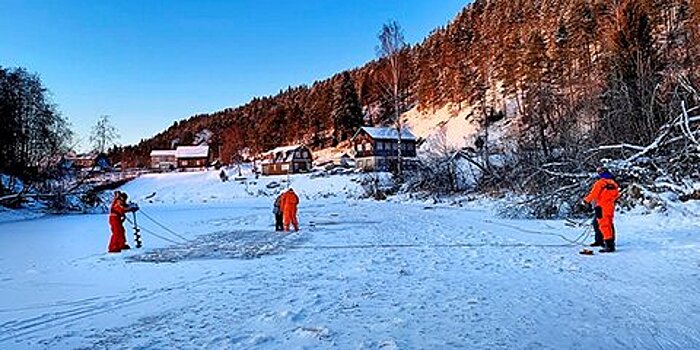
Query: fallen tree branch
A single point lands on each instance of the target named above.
(620, 146)
(569, 175)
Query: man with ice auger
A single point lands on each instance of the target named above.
(117, 215)
(602, 198)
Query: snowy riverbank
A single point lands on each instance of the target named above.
(360, 274)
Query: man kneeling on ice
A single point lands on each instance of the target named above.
(603, 196)
(117, 215)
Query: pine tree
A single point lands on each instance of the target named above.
(693, 40)
(539, 93)
(629, 110)
(583, 26)
(347, 113)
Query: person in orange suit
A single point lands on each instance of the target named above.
(602, 197)
(117, 215)
(289, 204)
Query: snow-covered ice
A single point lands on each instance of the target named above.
(360, 274)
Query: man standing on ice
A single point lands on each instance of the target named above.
(289, 203)
(117, 215)
(603, 196)
(277, 210)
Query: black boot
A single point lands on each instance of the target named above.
(609, 246)
(598, 235)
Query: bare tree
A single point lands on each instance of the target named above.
(103, 135)
(391, 45)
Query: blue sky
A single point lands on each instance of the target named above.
(149, 63)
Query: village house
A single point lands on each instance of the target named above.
(163, 159)
(286, 160)
(344, 160)
(376, 148)
(183, 157)
(189, 157)
(95, 161)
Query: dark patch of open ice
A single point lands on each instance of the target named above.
(239, 244)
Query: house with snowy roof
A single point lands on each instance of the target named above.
(163, 159)
(377, 148)
(94, 161)
(286, 160)
(183, 157)
(192, 156)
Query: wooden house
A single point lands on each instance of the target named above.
(163, 159)
(286, 160)
(183, 157)
(87, 161)
(189, 157)
(376, 148)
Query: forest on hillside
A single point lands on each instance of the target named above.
(580, 80)
(553, 59)
(580, 83)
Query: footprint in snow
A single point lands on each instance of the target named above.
(388, 345)
(320, 333)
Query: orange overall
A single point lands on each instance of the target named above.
(604, 193)
(289, 204)
(117, 215)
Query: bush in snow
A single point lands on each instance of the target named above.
(377, 185)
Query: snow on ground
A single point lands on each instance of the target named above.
(206, 187)
(331, 154)
(458, 129)
(9, 215)
(359, 275)
(451, 124)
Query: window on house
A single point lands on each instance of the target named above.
(285, 167)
